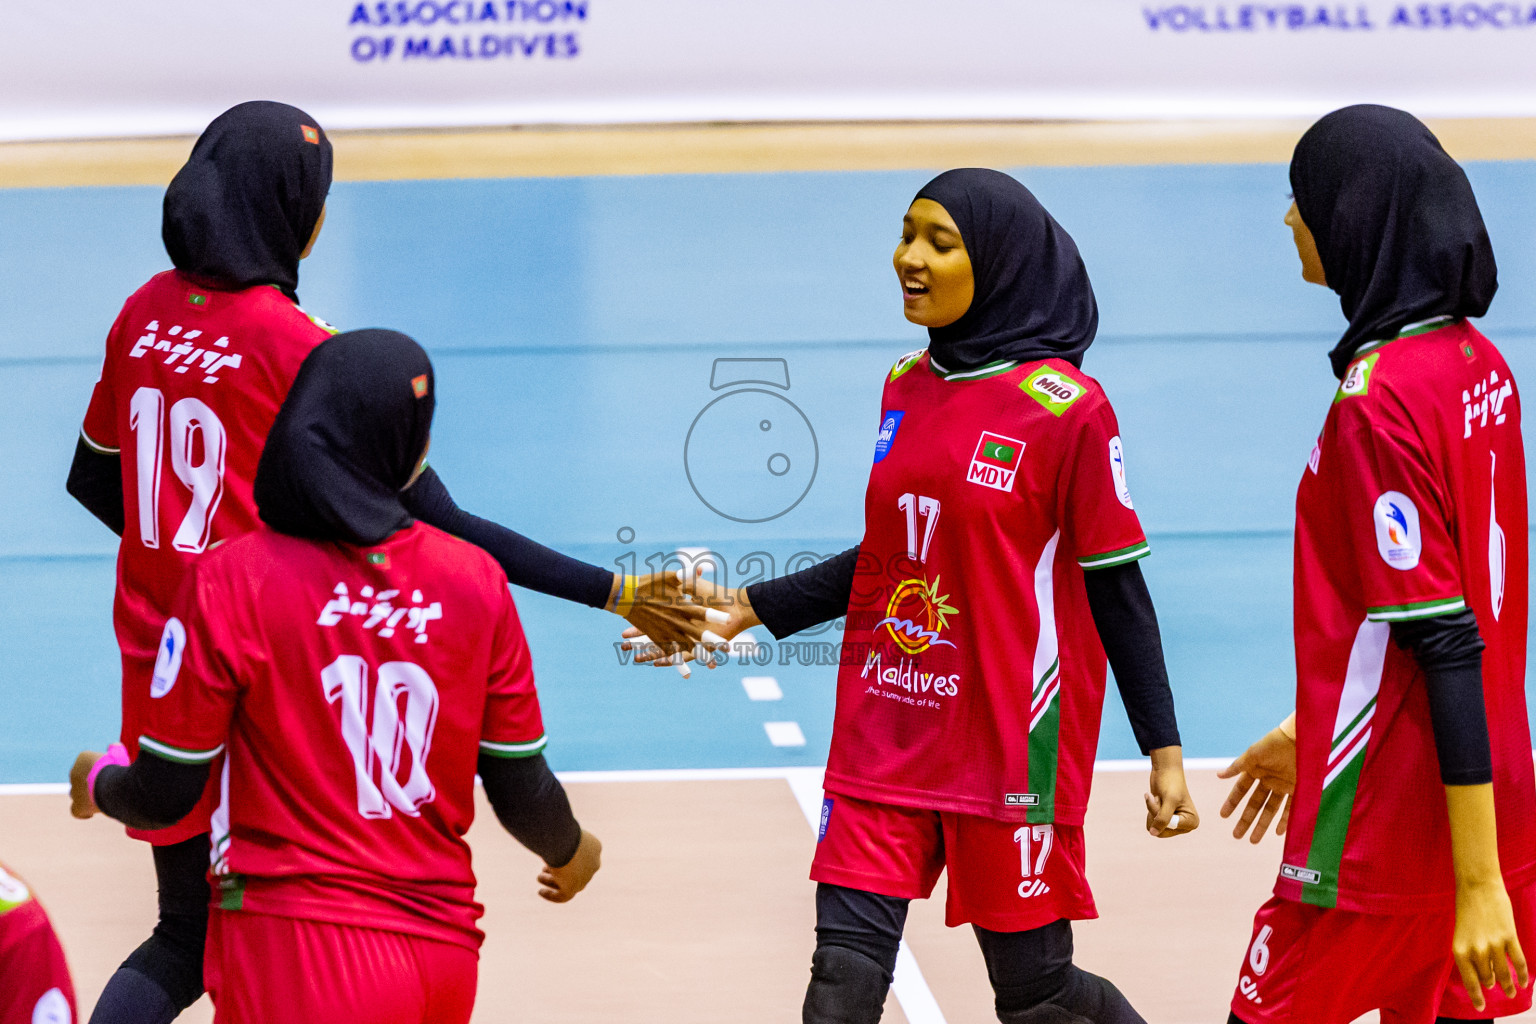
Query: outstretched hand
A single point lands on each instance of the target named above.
(724, 614)
(660, 608)
(1269, 769)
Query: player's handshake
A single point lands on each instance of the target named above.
(560, 885)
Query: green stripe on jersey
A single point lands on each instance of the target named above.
(1044, 760)
(1329, 833)
(177, 754)
(1350, 740)
(514, 749)
(1118, 557)
(980, 373)
(1417, 610)
(99, 449)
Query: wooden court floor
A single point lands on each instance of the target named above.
(703, 913)
(740, 148)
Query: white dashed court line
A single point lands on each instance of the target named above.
(762, 688)
(784, 734)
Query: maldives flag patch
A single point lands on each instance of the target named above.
(311, 134)
(996, 461)
(419, 386)
(379, 558)
(197, 298)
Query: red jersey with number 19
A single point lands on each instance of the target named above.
(973, 677)
(351, 691)
(192, 380)
(1412, 506)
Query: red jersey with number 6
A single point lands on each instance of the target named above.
(350, 691)
(1412, 506)
(973, 677)
(192, 380)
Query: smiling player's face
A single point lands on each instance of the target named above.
(937, 285)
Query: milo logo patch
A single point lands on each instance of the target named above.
(1056, 391)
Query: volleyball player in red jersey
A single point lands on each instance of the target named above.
(998, 567)
(35, 987)
(196, 366)
(1408, 879)
(355, 669)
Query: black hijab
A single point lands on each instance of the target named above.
(1033, 299)
(248, 198)
(349, 435)
(1396, 224)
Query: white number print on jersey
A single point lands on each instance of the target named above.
(379, 735)
(928, 508)
(191, 421)
(1029, 838)
(1497, 550)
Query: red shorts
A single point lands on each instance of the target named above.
(1313, 965)
(260, 968)
(1003, 875)
(36, 987)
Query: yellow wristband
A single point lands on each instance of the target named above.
(625, 603)
(1288, 727)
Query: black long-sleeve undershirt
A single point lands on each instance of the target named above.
(527, 563)
(1450, 651)
(530, 803)
(96, 481)
(1118, 598)
(151, 793)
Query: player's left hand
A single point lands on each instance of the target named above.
(80, 803)
(1170, 808)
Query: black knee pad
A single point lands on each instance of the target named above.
(174, 964)
(846, 987)
(1045, 1013)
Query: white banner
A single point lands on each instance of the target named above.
(136, 67)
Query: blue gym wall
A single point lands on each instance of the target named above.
(574, 323)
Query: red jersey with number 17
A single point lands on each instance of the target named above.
(1412, 506)
(192, 380)
(973, 677)
(351, 691)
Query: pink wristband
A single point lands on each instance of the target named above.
(116, 754)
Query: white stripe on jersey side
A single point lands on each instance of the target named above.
(1362, 679)
(1340, 747)
(218, 827)
(1046, 644)
(1044, 704)
(1360, 741)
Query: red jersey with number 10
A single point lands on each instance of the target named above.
(354, 689)
(192, 380)
(1412, 506)
(973, 677)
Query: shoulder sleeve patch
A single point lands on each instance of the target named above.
(1053, 389)
(1357, 379)
(905, 363)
